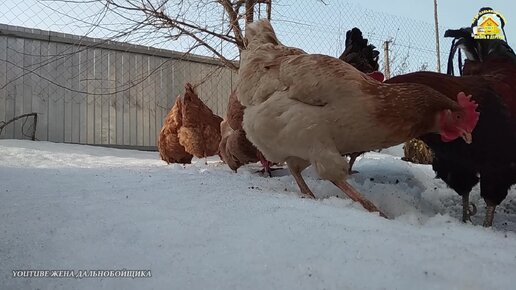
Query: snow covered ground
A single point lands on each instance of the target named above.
(76, 207)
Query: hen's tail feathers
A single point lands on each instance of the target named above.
(260, 32)
(359, 53)
(475, 49)
(190, 93)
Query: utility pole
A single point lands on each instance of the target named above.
(437, 49)
(269, 9)
(386, 60)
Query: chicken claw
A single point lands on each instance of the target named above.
(267, 170)
(469, 209)
(356, 196)
(302, 185)
(352, 158)
(265, 164)
(304, 195)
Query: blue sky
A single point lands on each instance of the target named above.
(321, 28)
(307, 24)
(452, 13)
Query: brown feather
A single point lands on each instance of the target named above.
(314, 108)
(235, 112)
(235, 149)
(170, 150)
(403, 109)
(200, 130)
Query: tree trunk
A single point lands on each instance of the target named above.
(249, 11)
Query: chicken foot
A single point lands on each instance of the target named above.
(469, 209)
(265, 164)
(490, 212)
(296, 166)
(267, 170)
(352, 158)
(356, 196)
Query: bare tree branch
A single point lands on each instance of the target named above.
(232, 11)
(3, 124)
(194, 20)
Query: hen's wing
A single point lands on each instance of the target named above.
(318, 80)
(235, 112)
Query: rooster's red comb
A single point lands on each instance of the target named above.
(470, 109)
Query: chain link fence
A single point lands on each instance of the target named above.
(101, 74)
(411, 42)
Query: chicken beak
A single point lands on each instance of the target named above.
(467, 137)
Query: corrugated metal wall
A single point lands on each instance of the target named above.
(91, 91)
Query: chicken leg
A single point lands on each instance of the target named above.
(296, 166)
(356, 196)
(352, 158)
(490, 212)
(469, 209)
(330, 165)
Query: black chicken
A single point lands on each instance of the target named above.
(359, 53)
(494, 59)
(489, 75)
(364, 57)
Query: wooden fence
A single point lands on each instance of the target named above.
(92, 91)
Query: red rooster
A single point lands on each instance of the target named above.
(307, 109)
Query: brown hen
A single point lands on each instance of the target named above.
(170, 150)
(235, 149)
(310, 109)
(200, 130)
(235, 112)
